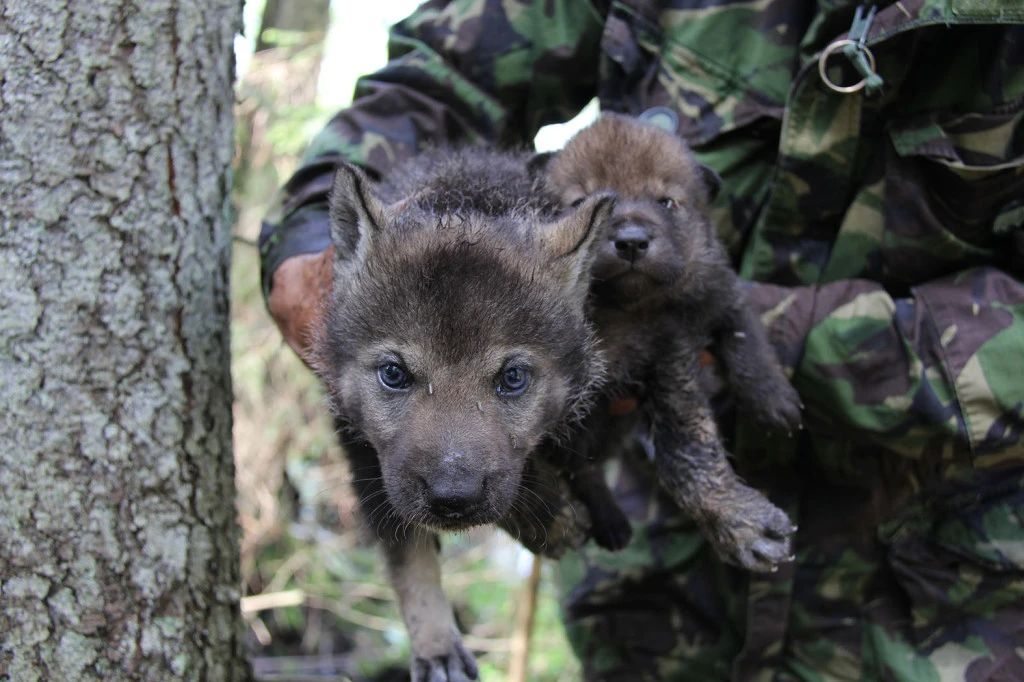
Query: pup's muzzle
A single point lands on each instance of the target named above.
(455, 495)
(631, 242)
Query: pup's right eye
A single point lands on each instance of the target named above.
(513, 381)
(394, 377)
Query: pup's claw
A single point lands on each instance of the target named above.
(751, 532)
(458, 665)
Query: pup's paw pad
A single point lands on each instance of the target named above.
(612, 529)
(458, 665)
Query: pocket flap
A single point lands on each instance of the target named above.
(971, 142)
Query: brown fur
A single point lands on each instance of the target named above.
(449, 275)
(638, 160)
(453, 290)
(662, 291)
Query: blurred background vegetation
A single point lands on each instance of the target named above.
(317, 602)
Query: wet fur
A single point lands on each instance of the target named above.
(654, 317)
(453, 269)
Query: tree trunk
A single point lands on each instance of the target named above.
(118, 545)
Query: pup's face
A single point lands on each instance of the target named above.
(648, 247)
(454, 349)
(658, 236)
(453, 429)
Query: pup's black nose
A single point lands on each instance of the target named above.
(631, 242)
(455, 495)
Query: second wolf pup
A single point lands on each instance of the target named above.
(662, 291)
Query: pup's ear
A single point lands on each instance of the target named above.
(356, 215)
(571, 242)
(538, 163)
(711, 180)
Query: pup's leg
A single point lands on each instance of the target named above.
(543, 517)
(609, 526)
(411, 553)
(438, 654)
(754, 374)
(591, 444)
(743, 526)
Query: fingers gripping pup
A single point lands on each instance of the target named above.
(454, 341)
(662, 291)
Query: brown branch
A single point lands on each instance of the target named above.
(519, 656)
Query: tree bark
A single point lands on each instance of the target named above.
(118, 542)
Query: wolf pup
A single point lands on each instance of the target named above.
(454, 340)
(662, 291)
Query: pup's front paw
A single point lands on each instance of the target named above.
(455, 665)
(751, 532)
(550, 530)
(776, 404)
(569, 530)
(611, 528)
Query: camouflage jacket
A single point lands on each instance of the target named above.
(882, 234)
(896, 220)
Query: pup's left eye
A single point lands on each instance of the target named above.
(513, 381)
(667, 202)
(394, 377)
(577, 202)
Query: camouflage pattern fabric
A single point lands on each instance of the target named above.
(884, 240)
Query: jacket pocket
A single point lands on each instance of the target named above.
(954, 193)
(960, 558)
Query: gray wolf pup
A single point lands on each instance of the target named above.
(454, 341)
(662, 291)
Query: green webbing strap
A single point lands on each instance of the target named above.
(855, 51)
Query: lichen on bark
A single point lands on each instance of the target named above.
(118, 547)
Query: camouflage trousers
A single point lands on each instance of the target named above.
(905, 570)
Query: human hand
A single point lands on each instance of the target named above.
(299, 288)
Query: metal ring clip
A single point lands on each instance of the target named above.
(829, 51)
